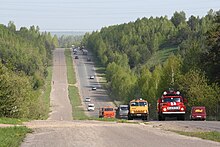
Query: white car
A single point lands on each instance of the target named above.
(87, 99)
(93, 88)
(91, 107)
(92, 77)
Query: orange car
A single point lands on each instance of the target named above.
(107, 112)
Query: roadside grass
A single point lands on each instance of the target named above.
(100, 70)
(161, 55)
(5, 120)
(114, 120)
(71, 77)
(46, 95)
(213, 135)
(104, 119)
(13, 136)
(78, 111)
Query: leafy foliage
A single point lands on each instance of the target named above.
(68, 41)
(128, 51)
(24, 57)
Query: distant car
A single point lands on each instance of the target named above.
(87, 99)
(76, 57)
(93, 88)
(92, 77)
(91, 107)
(198, 113)
(74, 50)
(85, 52)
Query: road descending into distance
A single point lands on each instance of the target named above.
(61, 131)
(84, 69)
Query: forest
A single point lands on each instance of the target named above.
(66, 41)
(192, 64)
(25, 55)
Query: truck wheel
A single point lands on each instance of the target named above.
(161, 117)
(130, 117)
(145, 118)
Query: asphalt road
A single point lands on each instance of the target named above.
(57, 132)
(61, 108)
(84, 69)
(106, 134)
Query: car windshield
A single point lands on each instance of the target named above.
(91, 105)
(124, 108)
(199, 110)
(108, 109)
(176, 99)
(138, 103)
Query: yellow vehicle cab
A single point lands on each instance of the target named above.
(138, 108)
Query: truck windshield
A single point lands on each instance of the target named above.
(138, 103)
(177, 99)
(108, 109)
(124, 108)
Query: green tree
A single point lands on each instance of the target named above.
(211, 59)
(178, 18)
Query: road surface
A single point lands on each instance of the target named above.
(61, 108)
(60, 131)
(84, 69)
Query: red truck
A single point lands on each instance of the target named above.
(171, 104)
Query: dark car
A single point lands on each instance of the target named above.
(76, 57)
(122, 111)
(198, 113)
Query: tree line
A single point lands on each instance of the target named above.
(193, 68)
(25, 55)
(66, 41)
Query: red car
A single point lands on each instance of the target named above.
(198, 113)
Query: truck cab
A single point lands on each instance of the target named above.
(107, 112)
(138, 108)
(171, 104)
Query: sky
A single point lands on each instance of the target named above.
(92, 15)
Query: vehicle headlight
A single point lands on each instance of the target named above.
(145, 111)
(182, 109)
(164, 109)
(132, 111)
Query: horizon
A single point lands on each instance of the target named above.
(92, 15)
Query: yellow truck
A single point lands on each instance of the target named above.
(138, 108)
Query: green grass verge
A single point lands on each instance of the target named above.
(78, 111)
(161, 55)
(12, 136)
(213, 135)
(5, 120)
(100, 70)
(46, 95)
(71, 77)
